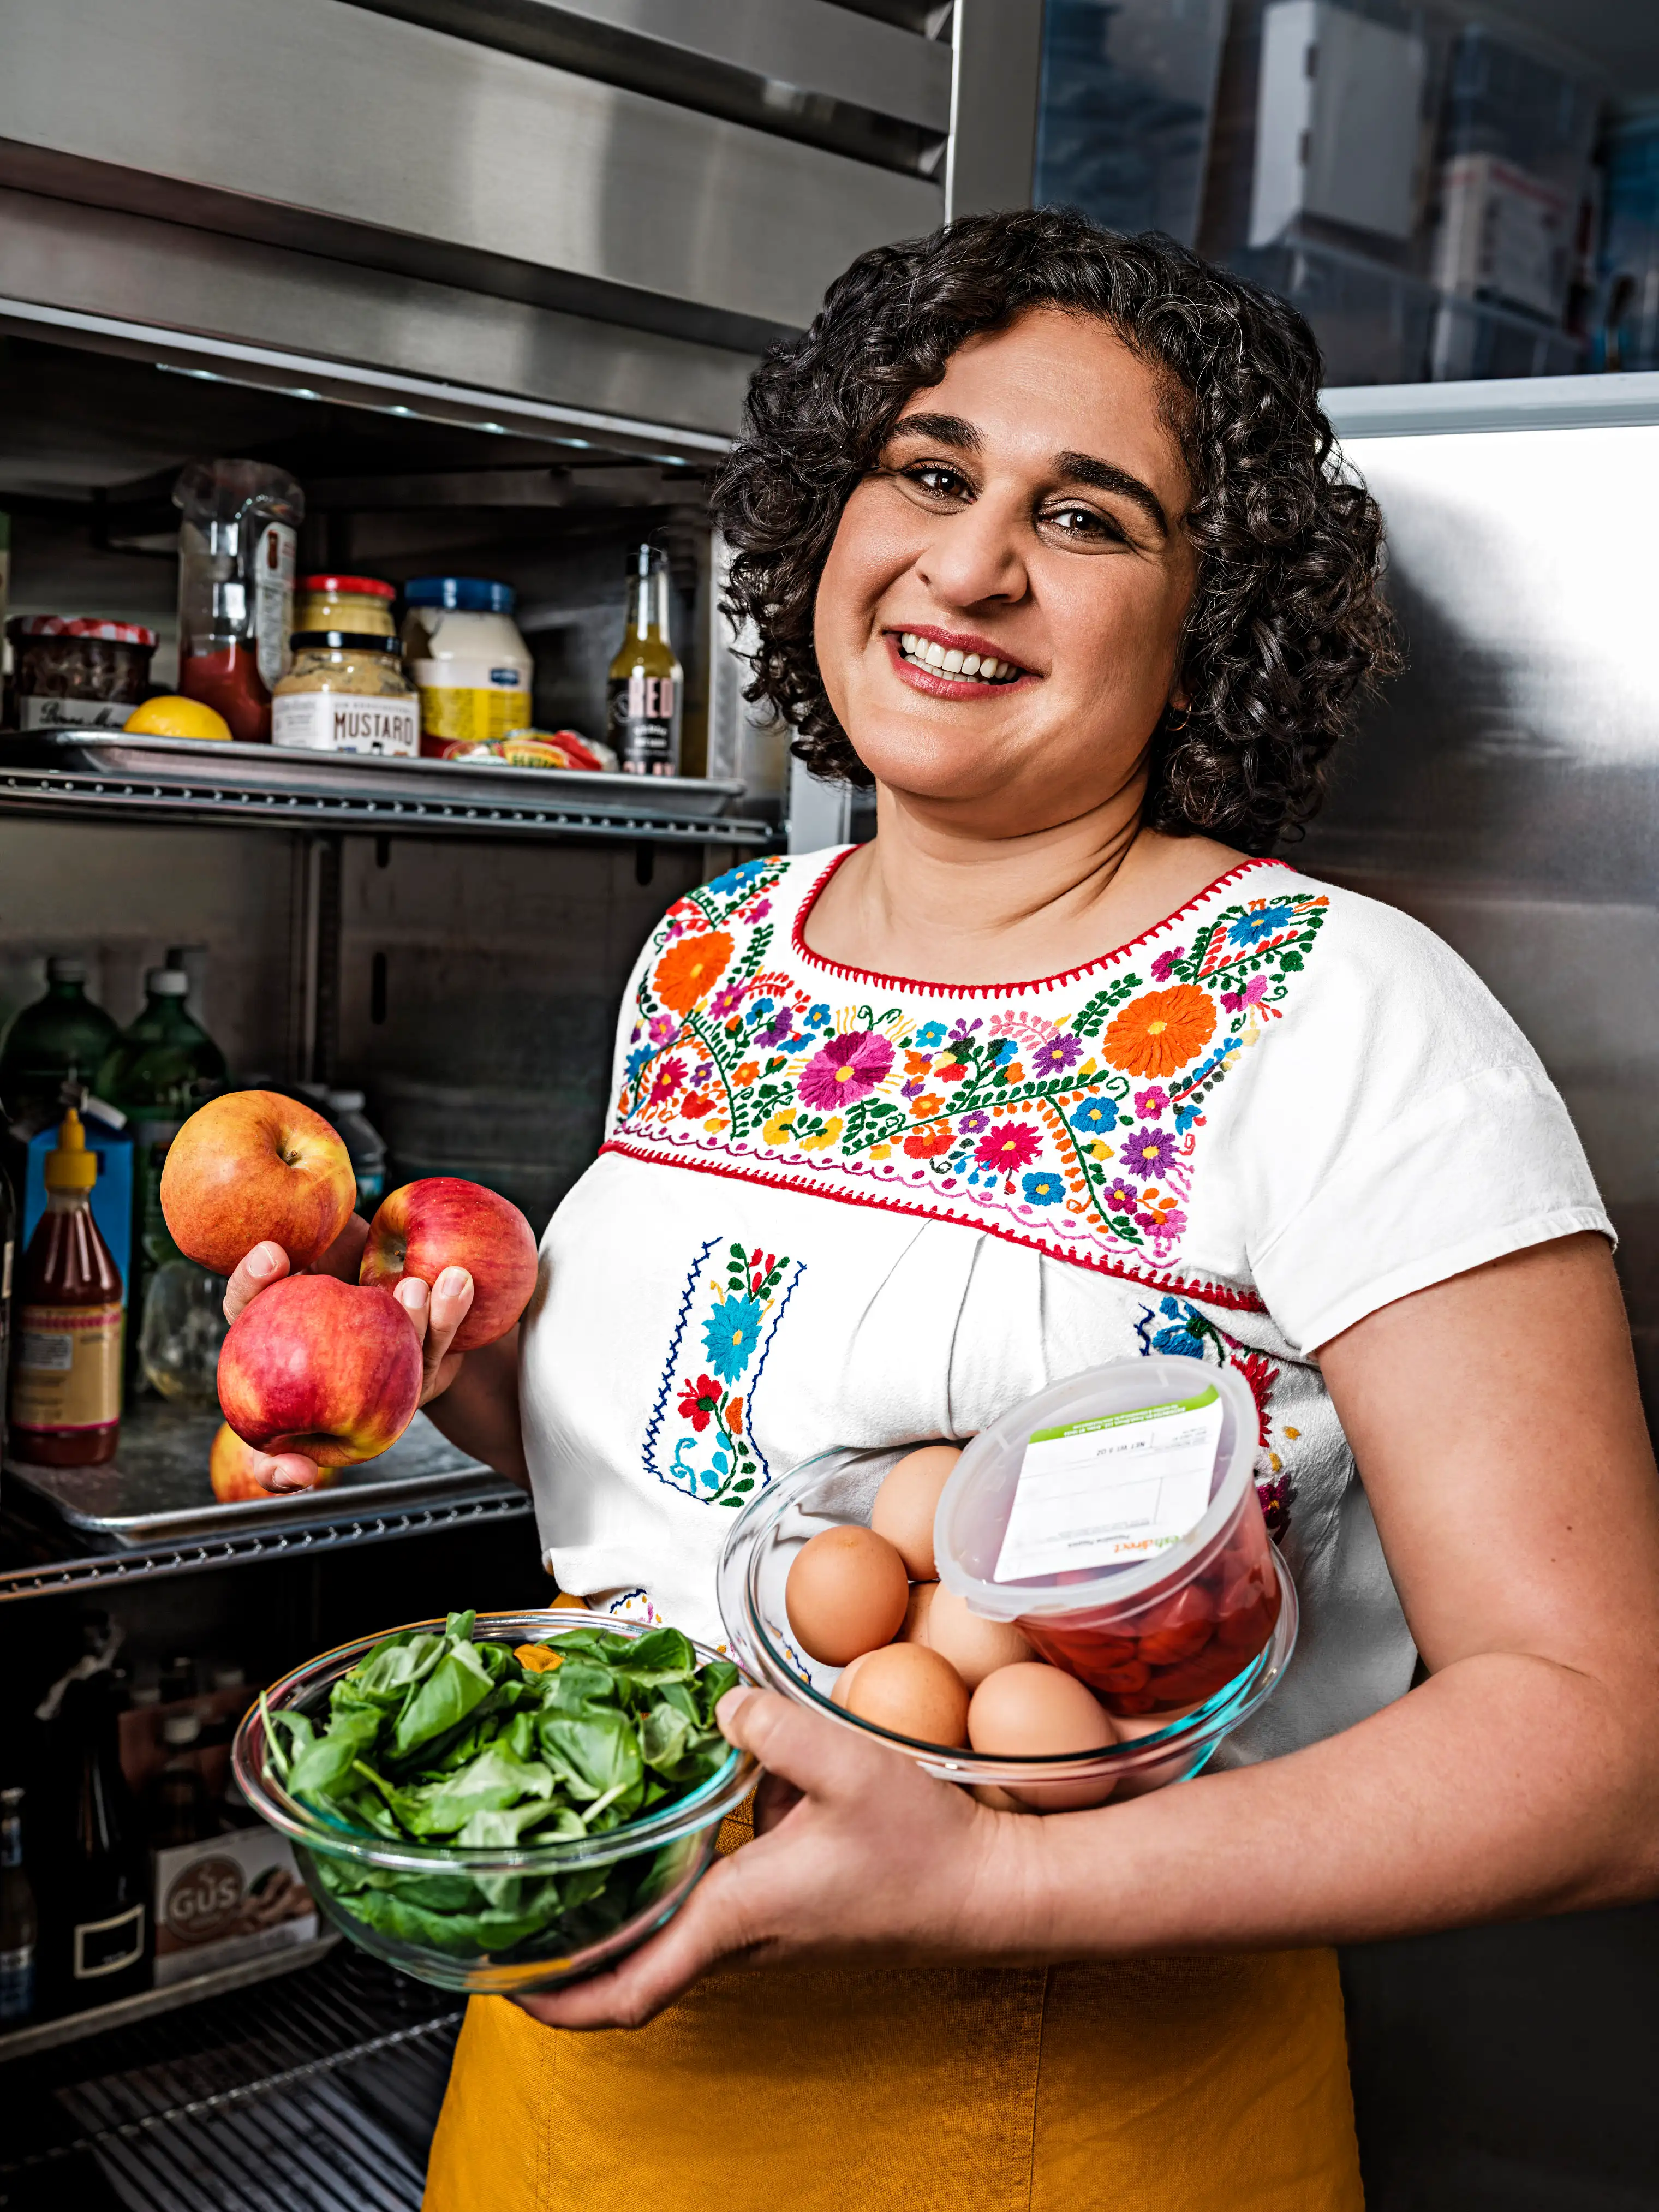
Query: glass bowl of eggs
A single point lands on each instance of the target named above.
(1097, 1681)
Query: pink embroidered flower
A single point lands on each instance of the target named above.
(724, 1003)
(668, 1079)
(1163, 966)
(1151, 1102)
(846, 1069)
(1252, 995)
(663, 1027)
(1013, 1145)
(1121, 1196)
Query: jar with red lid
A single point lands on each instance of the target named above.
(78, 671)
(1115, 1518)
(361, 605)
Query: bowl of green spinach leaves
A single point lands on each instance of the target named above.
(499, 1801)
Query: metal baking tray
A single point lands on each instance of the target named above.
(191, 762)
(155, 1489)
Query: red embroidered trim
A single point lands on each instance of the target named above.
(798, 939)
(1216, 1294)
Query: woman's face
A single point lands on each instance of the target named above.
(1029, 510)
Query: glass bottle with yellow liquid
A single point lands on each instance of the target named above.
(644, 696)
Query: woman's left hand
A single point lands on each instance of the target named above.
(855, 1851)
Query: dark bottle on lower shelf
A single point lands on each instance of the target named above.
(20, 1926)
(95, 1922)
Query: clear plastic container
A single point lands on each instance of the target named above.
(839, 1487)
(650, 1867)
(237, 536)
(364, 1142)
(1173, 1595)
(469, 662)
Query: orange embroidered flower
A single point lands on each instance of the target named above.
(928, 1143)
(917, 1063)
(688, 971)
(1160, 1032)
(929, 1104)
(746, 1074)
(734, 1416)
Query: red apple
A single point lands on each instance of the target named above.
(442, 1222)
(230, 1470)
(252, 1165)
(322, 1367)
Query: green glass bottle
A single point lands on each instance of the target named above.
(158, 1070)
(62, 1037)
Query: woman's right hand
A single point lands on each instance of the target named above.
(435, 1316)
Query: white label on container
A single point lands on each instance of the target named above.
(1110, 1491)
(455, 673)
(34, 712)
(345, 722)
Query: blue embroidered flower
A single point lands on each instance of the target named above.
(1094, 1116)
(638, 1062)
(759, 1008)
(1043, 1189)
(817, 1017)
(930, 1036)
(1263, 922)
(1180, 1343)
(1170, 1308)
(739, 878)
(1185, 1118)
(729, 1336)
(1002, 1049)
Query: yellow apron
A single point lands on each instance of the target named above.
(1166, 2085)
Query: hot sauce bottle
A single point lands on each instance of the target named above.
(66, 1360)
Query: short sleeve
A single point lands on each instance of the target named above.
(1402, 1131)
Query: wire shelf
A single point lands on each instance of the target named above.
(318, 2090)
(101, 1570)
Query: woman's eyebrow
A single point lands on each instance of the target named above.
(941, 429)
(1106, 476)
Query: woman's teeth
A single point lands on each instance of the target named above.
(949, 661)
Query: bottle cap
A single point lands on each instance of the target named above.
(181, 1728)
(166, 982)
(71, 1166)
(363, 587)
(65, 971)
(470, 594)
(347, 1101)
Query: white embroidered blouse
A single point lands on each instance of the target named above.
(842, 1209)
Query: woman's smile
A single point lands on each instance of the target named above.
(950, 665)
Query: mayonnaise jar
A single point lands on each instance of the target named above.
(470, 664)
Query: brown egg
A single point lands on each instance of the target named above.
(916, 1614)
(975, 1648)
(903, 1511)
(846, 1592)
(912, 1691)
(844, 1680)
(1033, 1710)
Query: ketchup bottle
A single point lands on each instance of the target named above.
(66, 1359)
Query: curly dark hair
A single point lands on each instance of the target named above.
(1287, 627)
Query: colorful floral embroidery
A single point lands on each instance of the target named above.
(1068, 1115)
(1188, 1335)
(708, 1382)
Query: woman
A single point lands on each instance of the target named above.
(1042, 533)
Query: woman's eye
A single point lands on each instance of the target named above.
(1084, 525)
(934, 477)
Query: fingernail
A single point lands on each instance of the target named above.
(411, 1293)
(453, 1282)
(262, 1262)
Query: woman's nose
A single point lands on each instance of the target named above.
(976, 554)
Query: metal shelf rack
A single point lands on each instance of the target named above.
(108, 774)
(302, 1539)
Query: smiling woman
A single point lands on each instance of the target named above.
(1043, 532)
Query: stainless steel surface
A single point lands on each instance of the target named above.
(150, 2004)
(320, 119)
(155, 1489)
(1522, 402)
(1507, 792)
(267, 315)
(160, 1562)
(189, 779)
(819, 812)
(808, 47)
(997, 47)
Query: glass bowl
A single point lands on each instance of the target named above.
(593, 1899)
(840, 1487)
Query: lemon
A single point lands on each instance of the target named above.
(174, 717)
